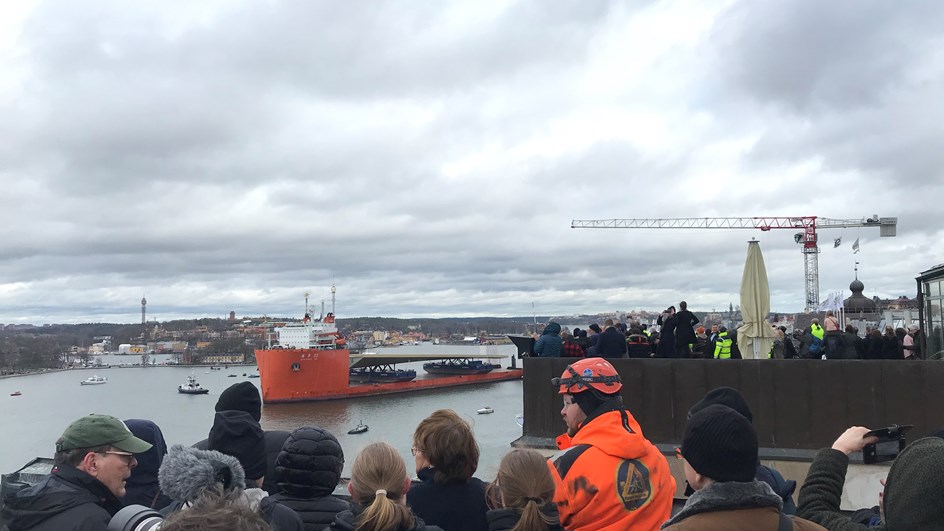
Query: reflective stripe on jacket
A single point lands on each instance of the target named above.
(723, 346)
(610, 477)
(817, 331)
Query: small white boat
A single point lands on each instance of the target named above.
(192, 387)
(519, 419)
(94, 380)
(485, 410)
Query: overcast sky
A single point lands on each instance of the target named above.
(428, 157)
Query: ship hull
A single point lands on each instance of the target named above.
(305, 375)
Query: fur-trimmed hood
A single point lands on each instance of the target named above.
(726, 496)
(187, 471)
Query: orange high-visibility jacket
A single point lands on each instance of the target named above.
(609, 477)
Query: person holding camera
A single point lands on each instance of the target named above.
(93, 459)
(913, 498)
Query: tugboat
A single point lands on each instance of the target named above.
(94, 380)
(192, 387)
(485, 410)
(360, 428)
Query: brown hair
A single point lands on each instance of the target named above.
(449, 445)
(215, 511)
(524, 483)
(378, 482)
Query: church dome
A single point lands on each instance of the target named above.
(858, 303)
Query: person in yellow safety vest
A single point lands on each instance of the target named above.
(723, 345)
(816, 329)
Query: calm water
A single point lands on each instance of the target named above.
(31, 423)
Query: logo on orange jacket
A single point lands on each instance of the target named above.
(632, 483)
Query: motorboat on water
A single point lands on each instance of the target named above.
(192, 387)
(360, 428)
(485, 410)
(16, 393)
(231, 376)
(94, 380)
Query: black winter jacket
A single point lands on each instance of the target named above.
(506, 519)
(66, 500)
(307, 471)
(316, 513)
(612, 344)
(347, 521)
(452, 506)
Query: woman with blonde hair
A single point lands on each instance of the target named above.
(446, 456)
(378, 485)
(522, 495)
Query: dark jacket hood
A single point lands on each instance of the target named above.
(143, 484)
(310, 463)
(552, 328)
(186, 472)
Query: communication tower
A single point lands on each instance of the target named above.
(144, 333)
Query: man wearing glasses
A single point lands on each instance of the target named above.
(93, 459)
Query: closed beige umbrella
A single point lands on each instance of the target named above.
(755, 336)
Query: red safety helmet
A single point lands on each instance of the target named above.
(595, 373)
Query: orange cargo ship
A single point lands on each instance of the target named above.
(312, 362)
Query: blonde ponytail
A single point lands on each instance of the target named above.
(378, 478)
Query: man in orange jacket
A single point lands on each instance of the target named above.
(607, 476)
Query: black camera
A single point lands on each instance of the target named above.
(136, 518)
(891, 441)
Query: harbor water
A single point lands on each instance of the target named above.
(32, 422)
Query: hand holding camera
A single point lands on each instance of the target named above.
(853, 440)
(877, 446)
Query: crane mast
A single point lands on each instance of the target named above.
(808, 224)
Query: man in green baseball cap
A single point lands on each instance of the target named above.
(93, 459)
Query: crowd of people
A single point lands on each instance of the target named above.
(678, 336)
(606, 475)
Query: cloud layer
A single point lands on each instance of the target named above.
(428, 160)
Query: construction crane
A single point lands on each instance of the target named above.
(808, 224)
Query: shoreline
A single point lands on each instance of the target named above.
(103, 367)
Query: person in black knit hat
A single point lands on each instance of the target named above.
(728, 396)
(244, 396)
(719, 450)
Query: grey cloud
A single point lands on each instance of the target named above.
(815, 57)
